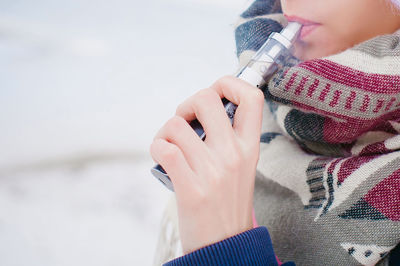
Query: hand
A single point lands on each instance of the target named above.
(214, 179)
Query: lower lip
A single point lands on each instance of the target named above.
(306, 30)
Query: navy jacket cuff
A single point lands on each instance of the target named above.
(252, 247)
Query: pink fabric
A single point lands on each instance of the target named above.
(351, 165)
(377, 83)
(385, 196)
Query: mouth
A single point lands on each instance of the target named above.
(308, 25)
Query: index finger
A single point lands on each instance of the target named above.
(250, 101)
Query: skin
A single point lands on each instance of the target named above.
(214, 179)
(344, 24)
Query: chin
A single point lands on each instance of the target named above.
(311, 54)
(312, 50)
(319, 43)
(303, 51)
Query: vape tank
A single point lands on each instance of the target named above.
(266, 61)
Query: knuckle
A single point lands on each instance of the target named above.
(225, 79)
(255, 96)
(223, 82)
(176, 123)
(205, 96)
(258, 95)
(170, 153)
(204, 93)
(180, 108)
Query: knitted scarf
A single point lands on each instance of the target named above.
(328, 178)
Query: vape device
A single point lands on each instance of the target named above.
(266, 61)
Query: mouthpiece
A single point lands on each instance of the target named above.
(291, 31)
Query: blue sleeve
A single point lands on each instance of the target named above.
(252, 247)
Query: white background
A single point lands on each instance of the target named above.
(84, 86)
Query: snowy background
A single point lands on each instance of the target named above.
(84, 86)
